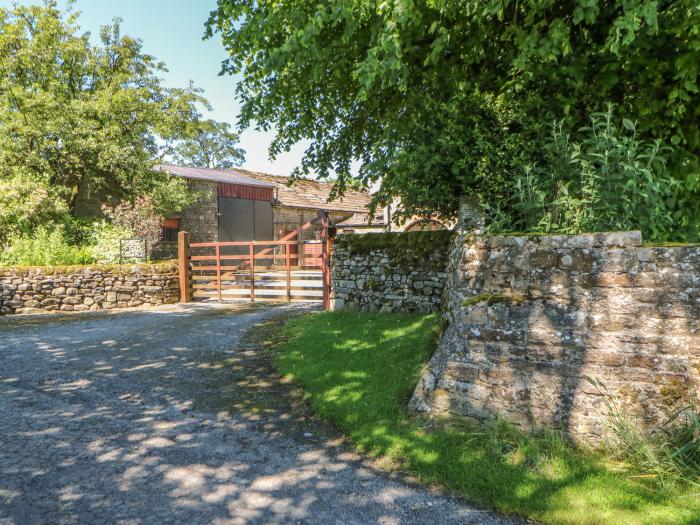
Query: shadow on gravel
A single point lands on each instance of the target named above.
(177, 416)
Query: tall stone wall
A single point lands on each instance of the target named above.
(389, 272)
(77, 288)
(547, 331)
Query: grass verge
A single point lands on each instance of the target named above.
(358, 371)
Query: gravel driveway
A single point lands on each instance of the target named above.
(139, 417)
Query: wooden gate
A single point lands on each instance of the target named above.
(257, 270)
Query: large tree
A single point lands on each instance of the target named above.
(468, 85)
(76, 114)
(211, 144)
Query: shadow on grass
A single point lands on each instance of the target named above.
(359, 371)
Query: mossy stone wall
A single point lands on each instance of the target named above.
(81, 288)
(547, 331)
(389, 272)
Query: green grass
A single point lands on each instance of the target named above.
(671, 244)
(359, 370)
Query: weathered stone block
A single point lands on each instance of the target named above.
(602, 316)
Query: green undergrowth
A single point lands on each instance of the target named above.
(496, 233)
(671, 245)
(358, 371)
(113, 268)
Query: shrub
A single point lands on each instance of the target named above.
(140, 217)
(44, 247)
(80, 230)
(107, 241)
(604, 177)
(26, 204)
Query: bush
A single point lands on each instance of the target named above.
(140, 217)
(79, 231)
(107, 237)
(603, 177)
(27, 204)
(44, 247)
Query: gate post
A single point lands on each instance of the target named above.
(287, 267)
(252, 271)
(326, 245)
(183, 258)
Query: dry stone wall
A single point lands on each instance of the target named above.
(41, 289)
(389, 272)
(547, 331)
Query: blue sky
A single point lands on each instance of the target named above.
(172, 30)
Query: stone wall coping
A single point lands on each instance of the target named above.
(588, 240)
(158, 267)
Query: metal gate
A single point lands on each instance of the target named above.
(258, 270)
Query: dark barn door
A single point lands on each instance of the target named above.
(244, 220)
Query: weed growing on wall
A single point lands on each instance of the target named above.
(670, 453)
(603, 177)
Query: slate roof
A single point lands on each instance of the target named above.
(305, 193)
(211, 175)
(361, 219)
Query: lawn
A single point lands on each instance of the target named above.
(359, 371)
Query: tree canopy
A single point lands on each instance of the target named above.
(78, 113)
(211, 145)
(438, 98)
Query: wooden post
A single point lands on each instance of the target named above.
(183, 257)
(325, 263)
(287, 265)
(252, 273)
(218, 271)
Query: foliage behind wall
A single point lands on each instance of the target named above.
(437, 99)
(79, 117)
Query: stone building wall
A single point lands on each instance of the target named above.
(547, 331)
(78, 288)
(201, 218)
(389, 272)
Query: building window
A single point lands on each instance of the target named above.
(171, 227)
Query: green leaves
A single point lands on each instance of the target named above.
(209, 144)
(610, 180)
(26, 204)
(79, 119)
(393, 85)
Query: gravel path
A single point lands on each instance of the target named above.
(143, 417)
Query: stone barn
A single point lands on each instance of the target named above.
(242, 205)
